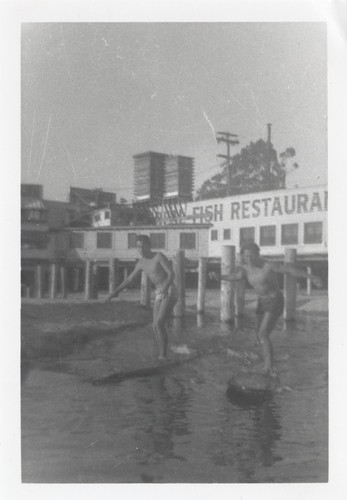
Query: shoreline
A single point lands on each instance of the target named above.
(56, 328)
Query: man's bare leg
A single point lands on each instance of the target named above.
(161, 312)
(259, 318)
(156, 307)
(266, 326)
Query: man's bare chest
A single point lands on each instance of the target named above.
(151, 266)
(256, 276)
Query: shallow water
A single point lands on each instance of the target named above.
(181, 426)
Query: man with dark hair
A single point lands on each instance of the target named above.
(144, 238)
(159, 270)
(261, 275)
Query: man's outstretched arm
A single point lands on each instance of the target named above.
(296, 273)
(238, 275)
(124, 283)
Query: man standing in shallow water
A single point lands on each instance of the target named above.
(159, 270)
(261, 275)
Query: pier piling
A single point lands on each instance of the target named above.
(202, 273)
(289, 286)
(53, 280)
(227, 311)
(179, 308)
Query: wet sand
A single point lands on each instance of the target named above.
(57, 327)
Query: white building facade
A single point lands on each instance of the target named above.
(275, 220)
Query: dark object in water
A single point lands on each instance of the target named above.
(247, 397)
(250, 388)
(147, 371)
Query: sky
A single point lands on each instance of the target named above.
(95, 94)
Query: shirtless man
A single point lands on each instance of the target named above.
(262, 276)
(159, 270)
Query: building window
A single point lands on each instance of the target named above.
(214, 235)
(289, 234)
(107, 214)
(104, 240)
(226, 234)
(313, 232)
(247, 235)
(187, 241)
(76, 240)
(132, 240)
(157, 240)
(34, 245)
(28, 215)
(34, 240)
(267, 236)
(97, 217)
(34, 215)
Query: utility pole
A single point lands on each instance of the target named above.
(230, 140)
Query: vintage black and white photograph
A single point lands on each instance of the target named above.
(174, 252)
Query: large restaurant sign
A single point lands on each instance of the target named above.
(264, 206)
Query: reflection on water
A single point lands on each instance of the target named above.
(264, 419)
(184, 426)
(200, 320)
(239, 322)
(289, 326)
(248, 434)
(165, 414)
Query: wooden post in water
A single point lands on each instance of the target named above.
(87, 281)
(289, 286)
(179, 308)
(113, 275)
(240, 292)
(53, 280)
(145, 290)
(76, 279)
(309, 282)
(202, 273)
(227, 288)
(63, 281)
(38, 279)
(94, 280)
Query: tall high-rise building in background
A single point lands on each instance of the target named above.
(149, 170)
(179, 177)
(158, 176)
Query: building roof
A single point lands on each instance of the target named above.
(52, 204)
(149, 153)
(142, 228)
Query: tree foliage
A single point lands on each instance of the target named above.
(255, 168)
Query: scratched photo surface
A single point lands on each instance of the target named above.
(199, 135)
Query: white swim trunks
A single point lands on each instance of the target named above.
(170, 292)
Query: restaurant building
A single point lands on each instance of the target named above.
(275, 220)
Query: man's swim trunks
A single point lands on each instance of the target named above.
(271, 303)
(171, 292)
